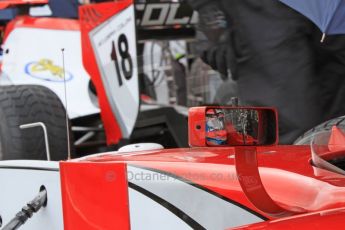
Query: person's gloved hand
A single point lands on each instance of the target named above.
(214, 25)
(221, 57)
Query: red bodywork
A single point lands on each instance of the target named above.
(41, 23)
(87, 204)
(329, 219)
(287, 175)
(288, 184)
(10, 3)
(92, 16)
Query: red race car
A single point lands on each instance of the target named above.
(249, 185)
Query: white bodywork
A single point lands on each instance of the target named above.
(31, 55)
(21, 180)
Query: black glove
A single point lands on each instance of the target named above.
(213, 24)
(221, 57)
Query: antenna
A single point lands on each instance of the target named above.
(65, 89)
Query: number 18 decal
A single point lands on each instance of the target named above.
(114, 43)
(126, 59)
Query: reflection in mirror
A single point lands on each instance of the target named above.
(240, 126)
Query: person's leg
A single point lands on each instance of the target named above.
(331, 73)
(294, 97)
(277, 67)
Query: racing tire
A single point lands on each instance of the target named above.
(25, 104)
(306, 138)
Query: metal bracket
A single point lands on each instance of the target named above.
(45, 132)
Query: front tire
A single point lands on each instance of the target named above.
(25, 104)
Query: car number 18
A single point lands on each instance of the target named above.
(126, 59)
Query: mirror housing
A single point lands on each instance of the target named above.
(232, 126)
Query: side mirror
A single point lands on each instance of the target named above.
(232, 126)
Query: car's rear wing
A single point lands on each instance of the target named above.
(109, 45)
(165, 20)
(155, 19)
(110, 33)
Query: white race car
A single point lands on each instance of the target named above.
(89, 65)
